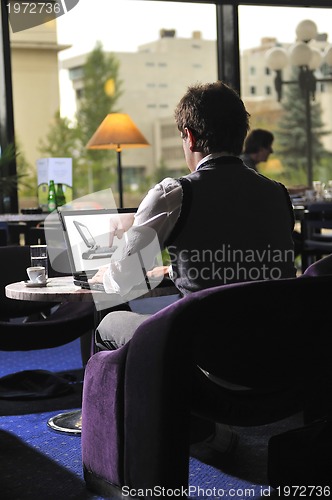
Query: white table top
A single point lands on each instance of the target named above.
(22, 217)
(57, 290)
(63, 289)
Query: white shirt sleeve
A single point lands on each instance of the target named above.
(154, 221)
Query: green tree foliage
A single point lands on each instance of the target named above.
(101, 90)
(93, 170)
(291, 138)
(62, 139)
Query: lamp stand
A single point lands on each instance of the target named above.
(120, 185)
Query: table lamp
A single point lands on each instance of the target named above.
(117, 131)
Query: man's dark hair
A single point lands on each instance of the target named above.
(256, 139)
(216, 116)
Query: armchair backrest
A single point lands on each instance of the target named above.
(244, 330)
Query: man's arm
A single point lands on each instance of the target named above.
(141, 244)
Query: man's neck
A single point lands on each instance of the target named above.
(211, 156)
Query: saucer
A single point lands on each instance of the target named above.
(35, 285)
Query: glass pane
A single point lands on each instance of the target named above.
(303, 142)
(145, 54)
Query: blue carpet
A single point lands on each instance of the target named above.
(37, 462)
(58, 359)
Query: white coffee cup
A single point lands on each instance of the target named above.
(37, 274)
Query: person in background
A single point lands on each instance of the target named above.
(257, 147)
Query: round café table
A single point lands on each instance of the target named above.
(59, 290)
(62, 289)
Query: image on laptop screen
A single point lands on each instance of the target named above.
(93, 250)
(87, 235)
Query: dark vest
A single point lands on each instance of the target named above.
(235, 225)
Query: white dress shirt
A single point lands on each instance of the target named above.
(158, 212)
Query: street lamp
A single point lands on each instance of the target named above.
(308, 60)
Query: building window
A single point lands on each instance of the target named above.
(267, 71)
(172, 153)
(150, 64)
(252, 90)
(76, 73)
(252, 70)
(268, 90)
(170, 130)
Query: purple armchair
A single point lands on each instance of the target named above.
(138, 401)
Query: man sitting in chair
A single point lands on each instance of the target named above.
(222, 223)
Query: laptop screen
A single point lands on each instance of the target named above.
(88, 235)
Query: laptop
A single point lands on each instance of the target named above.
(87, 234)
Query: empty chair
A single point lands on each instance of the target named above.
(321, 267)
(316, 232)
(27, 325)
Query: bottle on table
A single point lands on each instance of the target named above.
(51, 199)
(60, 195)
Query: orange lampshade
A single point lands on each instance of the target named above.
(117, 131)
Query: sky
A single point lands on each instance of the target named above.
(122, 25)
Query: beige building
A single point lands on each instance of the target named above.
(154, 79)
(35, 77)
(156, 76)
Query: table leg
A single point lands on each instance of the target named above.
(71, 422)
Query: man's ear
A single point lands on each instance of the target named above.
(192, 140)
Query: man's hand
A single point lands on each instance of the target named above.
(157, 272)
(98, 277)
(119, 224)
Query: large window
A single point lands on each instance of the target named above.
(151, 52)
(158, 49)
(260, 29)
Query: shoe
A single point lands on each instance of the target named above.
(223, 440)
(217, 450)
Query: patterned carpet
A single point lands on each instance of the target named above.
(38, 463)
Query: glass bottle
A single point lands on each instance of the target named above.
(51, 199)
(60, 195)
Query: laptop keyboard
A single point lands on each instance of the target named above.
(105, 249)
